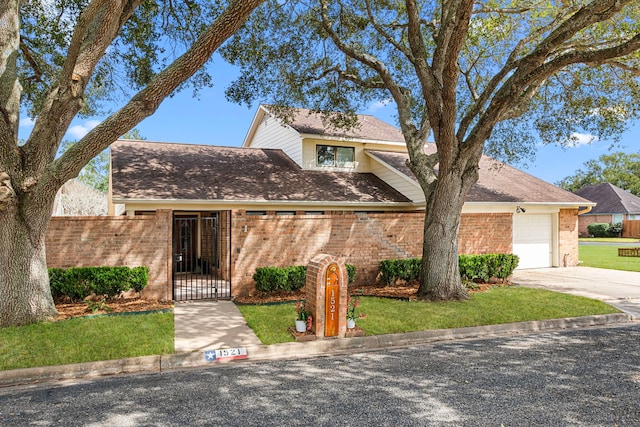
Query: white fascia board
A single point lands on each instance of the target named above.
(257, 119)
(510, 207)
(275, 204)
(353, 140)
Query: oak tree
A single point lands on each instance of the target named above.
(59, 59)
(478, 76)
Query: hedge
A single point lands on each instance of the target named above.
(272, 279)
(603, 229)
(80, 282)
(473, 268)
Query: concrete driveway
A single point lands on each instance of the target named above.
(618, 288)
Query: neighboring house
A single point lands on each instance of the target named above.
(77, 199)
(614, 205)
(293, 191)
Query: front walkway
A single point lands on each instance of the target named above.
(210, 325)
(621, 289)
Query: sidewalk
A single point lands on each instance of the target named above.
(210, 325)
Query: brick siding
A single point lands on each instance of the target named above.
(279, 240)
(568, 237)
(360, 239)
(115, 241)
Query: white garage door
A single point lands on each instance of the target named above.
(532, 240)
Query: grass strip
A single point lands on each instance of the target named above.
(387, 316)
(80, 340)
(606, 257)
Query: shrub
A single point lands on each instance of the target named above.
(615, 229)
(501, 266)
(272, 279)
(598, 229)
(80, 282)
(473, 268)
(296, 277)
(407, 269)
(351, 272)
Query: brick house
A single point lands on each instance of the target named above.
(295, 190)
(614, 205)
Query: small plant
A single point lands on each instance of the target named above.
(98, 305)
(352, 304)
(304, 314)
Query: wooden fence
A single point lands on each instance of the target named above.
(631, 228)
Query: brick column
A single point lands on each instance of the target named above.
(322, 275)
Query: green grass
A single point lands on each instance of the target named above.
(85, 340)
(609, 239)
(387, 316)
(606, 257)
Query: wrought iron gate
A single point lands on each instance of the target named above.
(201, 256)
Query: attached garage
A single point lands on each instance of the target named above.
(533, 240)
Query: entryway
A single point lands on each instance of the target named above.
(201, 255)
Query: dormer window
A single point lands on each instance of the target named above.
(332, 156)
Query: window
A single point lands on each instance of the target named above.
(617, 218)
(329, 155)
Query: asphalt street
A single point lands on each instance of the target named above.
(581, 377)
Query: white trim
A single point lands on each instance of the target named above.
(351, 139)
(394, 170)
(257, 120)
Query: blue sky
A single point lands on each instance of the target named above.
(213, 120)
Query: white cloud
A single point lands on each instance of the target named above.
(26, 122)
(78, 131)
(378, 105)
(576, 139)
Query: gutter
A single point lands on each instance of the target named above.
(585, 210)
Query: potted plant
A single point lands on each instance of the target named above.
(304, 319)
(352, 304)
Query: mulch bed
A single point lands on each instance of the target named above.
(408, 291)
(80, 309)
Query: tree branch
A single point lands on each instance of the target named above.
(533, 69)
(145, 102)
(97, 27)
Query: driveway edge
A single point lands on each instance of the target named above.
(294, 350)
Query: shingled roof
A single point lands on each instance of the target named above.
(498, 182)
(610, 199)
(369, 128)
(143, 170)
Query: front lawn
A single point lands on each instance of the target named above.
(606, 257)
(387, 316)
(86, 339)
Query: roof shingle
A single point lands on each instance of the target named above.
(164, 171)
(498, 182)
(610, 199)
(368, 127)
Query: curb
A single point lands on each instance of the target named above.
(292, 350)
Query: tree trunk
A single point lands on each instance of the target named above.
(440, 280)
(25, 295)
